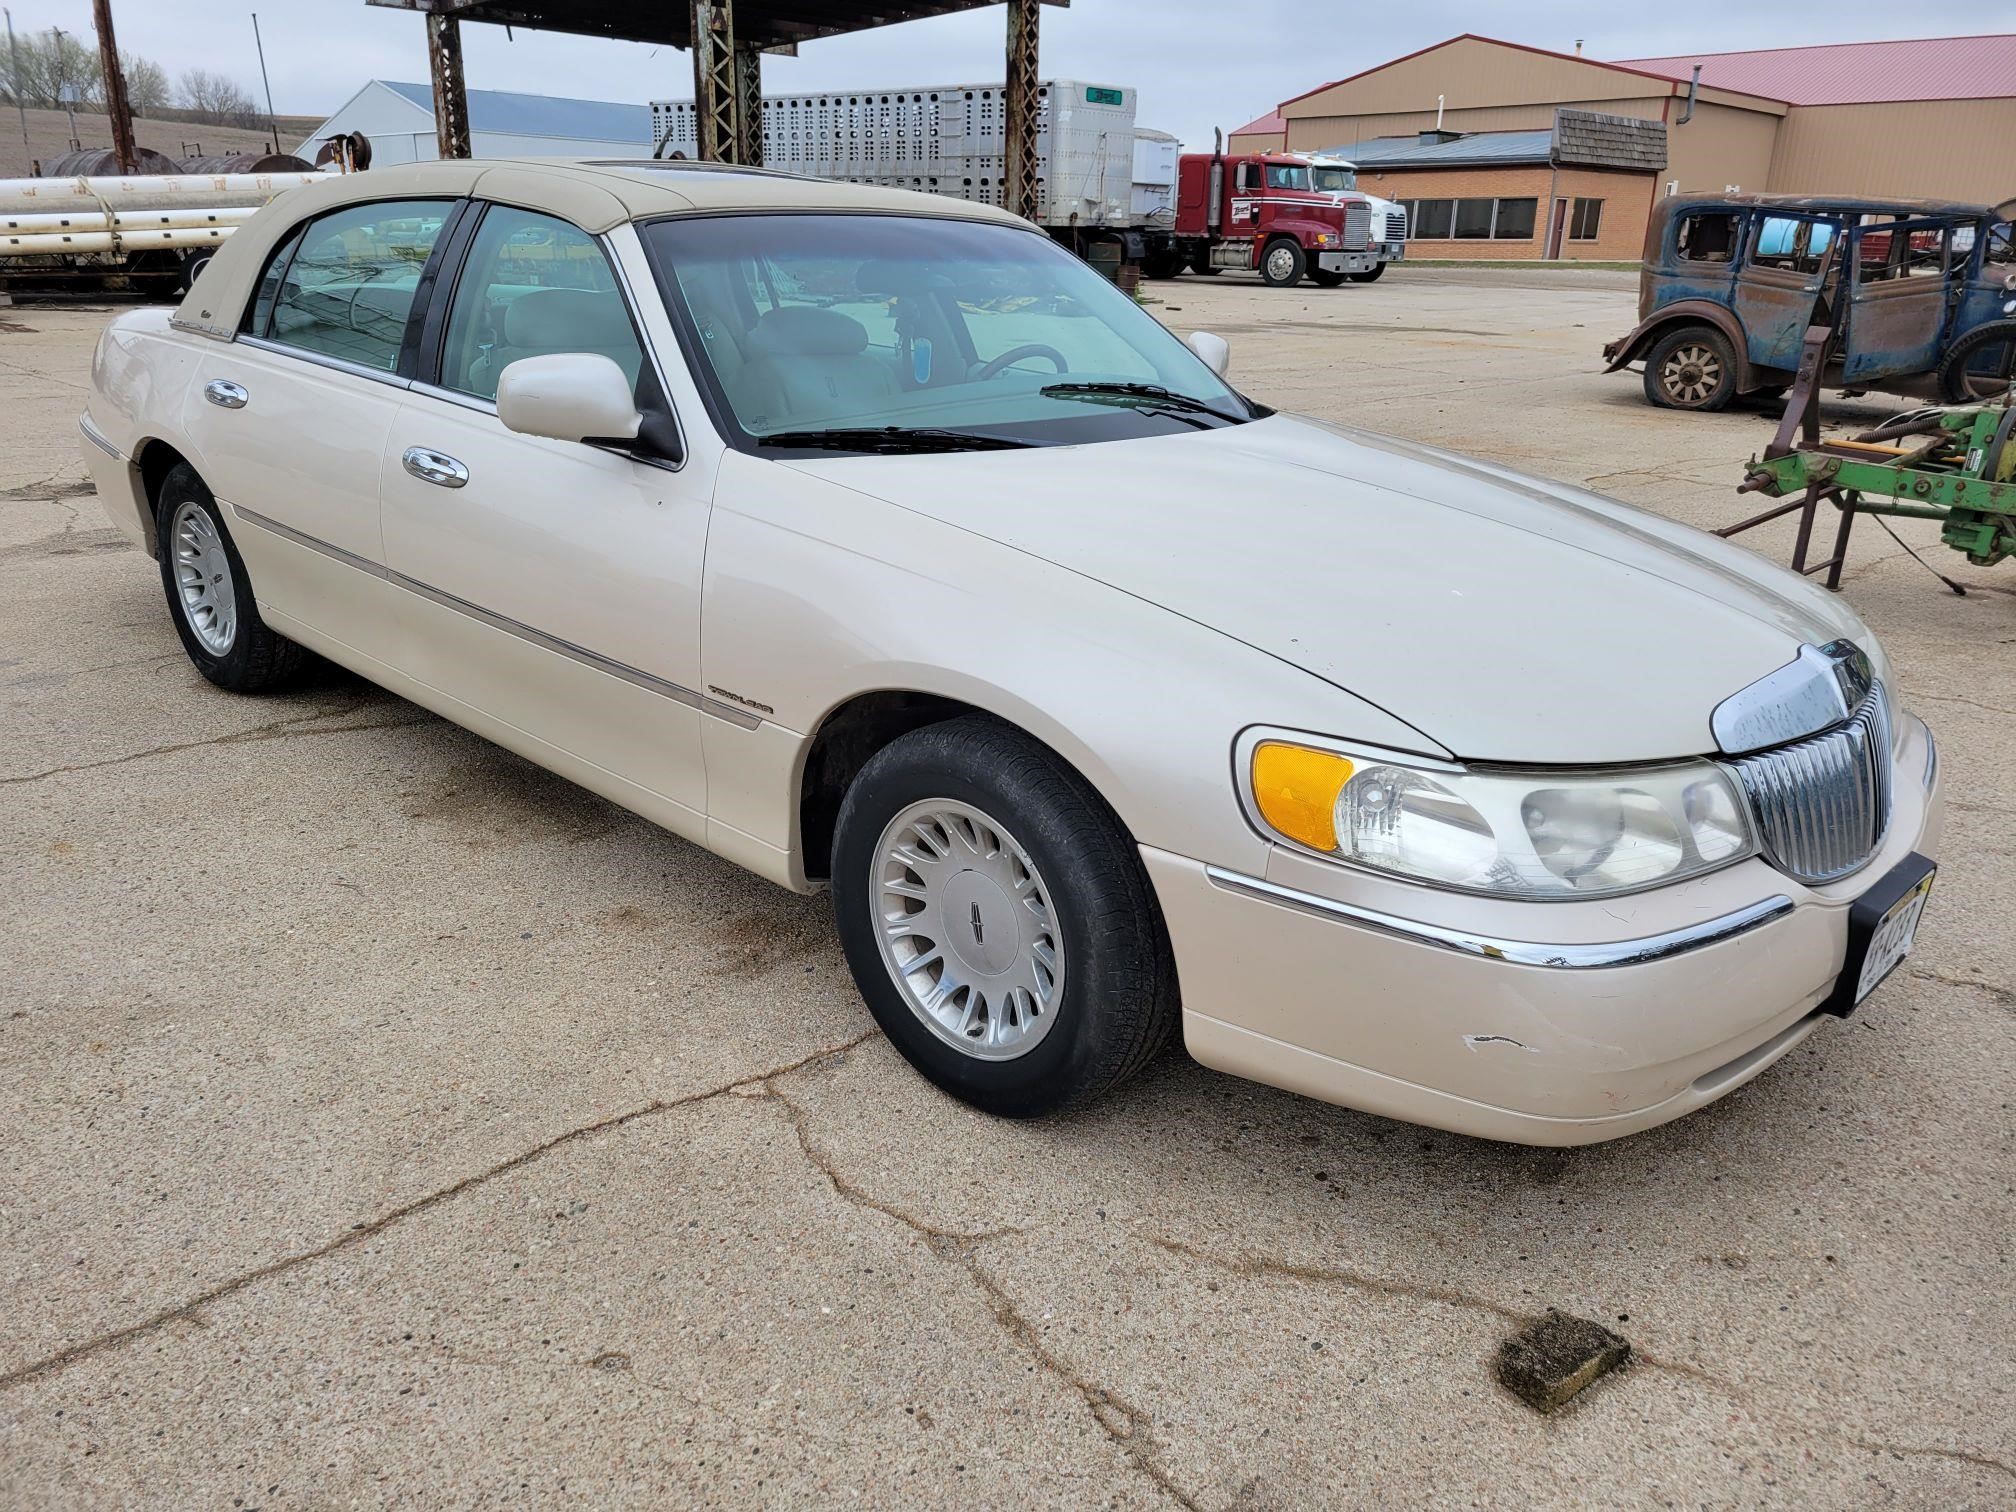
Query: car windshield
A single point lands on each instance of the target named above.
(1333, 180)
(818, 328)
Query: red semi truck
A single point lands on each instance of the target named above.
(1260, 212)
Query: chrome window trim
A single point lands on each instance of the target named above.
(1580, 957)
(318, 359)
(97, 438)
(1931, 756)
(455, 396)
(518, 628)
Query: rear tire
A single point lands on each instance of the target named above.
(1283, 262)
(1692, 368)
(1160, 265)
(998, 921)
(210, 594)
(1957, 385)
(1371, 275)
(1324, 280)
(1200, 263)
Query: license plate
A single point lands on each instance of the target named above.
(1882, 927)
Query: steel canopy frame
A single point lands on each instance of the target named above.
(727, 39)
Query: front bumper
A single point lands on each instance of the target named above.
(1437, 1022)
(1347, 262)
(1391, 251)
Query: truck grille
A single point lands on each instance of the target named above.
(1357, 225)
(1396, 226)
(1823, 803)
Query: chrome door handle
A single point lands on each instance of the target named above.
(222, 391)
(435, 467)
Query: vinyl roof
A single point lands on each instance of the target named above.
(504, 111)
(1850, 73)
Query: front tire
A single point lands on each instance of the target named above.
(210, 593)
(998, 921)
(1324, 280)
(1693, 368)
(1283, 262)
(1371, 275)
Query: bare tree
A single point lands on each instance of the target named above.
(51, 60)
(146, 85)
(219, 98)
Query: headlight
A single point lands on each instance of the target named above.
(1538, 834)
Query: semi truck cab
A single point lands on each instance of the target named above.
(1387, 222)
(1261, 212)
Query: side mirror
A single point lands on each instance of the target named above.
(1212, 350)
(568, 396)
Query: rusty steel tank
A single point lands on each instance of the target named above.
(103, 162)
(248, 162)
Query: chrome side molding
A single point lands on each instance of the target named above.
(1596, 956)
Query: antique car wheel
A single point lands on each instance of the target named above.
(1692, 368)
(998, 921)
(1980, 365)
(1282, 263)
(210, 595)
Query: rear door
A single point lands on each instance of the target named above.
(552, 586)
(290, 420)
(1778, 286)
(1899, 295)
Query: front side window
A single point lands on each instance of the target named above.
(1791, 244)
(532, 285)
(804, 323)
(1287, 176)
(343, 286)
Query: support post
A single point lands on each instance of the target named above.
(749, 105)
(116, 106)
(451, 97)
(1018, 110)
(716, 97)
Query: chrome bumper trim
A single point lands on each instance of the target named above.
(1519, 952)
(91, 434)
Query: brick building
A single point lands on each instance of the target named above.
(1465, 121)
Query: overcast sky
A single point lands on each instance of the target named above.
(1197, 63)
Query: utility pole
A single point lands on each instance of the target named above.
(14, 70)
(272, 120)
(115, 89)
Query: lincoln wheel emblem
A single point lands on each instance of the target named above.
(979, 934)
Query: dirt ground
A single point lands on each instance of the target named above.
(49, 137)
(383, 1119)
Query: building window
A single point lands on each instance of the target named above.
(1471, 219)
(1430, 218)
(1585, 220)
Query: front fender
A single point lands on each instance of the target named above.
(1681, 312)
(815, 594)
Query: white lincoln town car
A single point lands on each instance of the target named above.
(875, 543)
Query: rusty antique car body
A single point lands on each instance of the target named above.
(1731, 282)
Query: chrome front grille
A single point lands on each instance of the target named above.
(1822, 803)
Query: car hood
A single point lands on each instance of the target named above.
(1507, 618)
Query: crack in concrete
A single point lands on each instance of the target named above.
(2006, 996)
(278, 729)
(1261, 1267)
(1130, 1428)
(1972, 703)
(359, 1232)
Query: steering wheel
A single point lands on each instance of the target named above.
(994, 367)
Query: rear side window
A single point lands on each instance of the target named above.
(1707, 237)
(532, 285)
(343, 285)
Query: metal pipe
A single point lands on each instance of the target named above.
(272, 120)
(145, 191)
(128, 220)
(45, 243)
(1215, 185)
(1693, 89)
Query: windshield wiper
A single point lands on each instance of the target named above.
(891, 439)
(1153, 395)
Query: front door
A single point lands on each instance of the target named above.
(1778, 288)
(317, 361)
(553, 587)
(1898, 299)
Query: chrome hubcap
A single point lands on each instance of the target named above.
(1691, 373)
(1280, 262)
(203, 578)
(966, 929)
